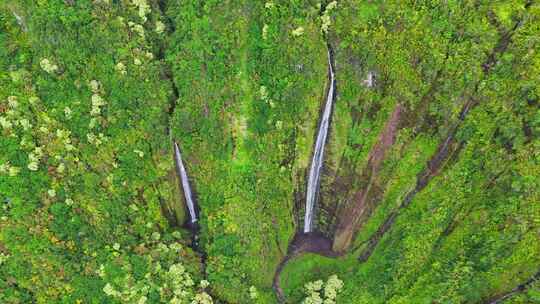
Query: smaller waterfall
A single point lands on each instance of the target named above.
(185, 183)
(318, 154)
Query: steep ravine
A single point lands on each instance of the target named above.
(168, 209)
(348, 219)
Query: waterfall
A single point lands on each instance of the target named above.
(318, 154)
(185, 183)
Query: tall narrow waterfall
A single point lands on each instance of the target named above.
(318, 154)
(185, 183)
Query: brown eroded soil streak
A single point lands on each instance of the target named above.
(445, 151)
(350, 217)
(408, 118)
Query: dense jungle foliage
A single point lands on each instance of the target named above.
(430, 188)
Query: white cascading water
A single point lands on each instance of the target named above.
(185, 183)
(318, 154)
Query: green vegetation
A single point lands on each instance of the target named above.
(94, 92)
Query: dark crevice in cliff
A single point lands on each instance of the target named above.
(449, 148)
(518, 289)
(173, 99)
(167, 73)
(504, 41)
